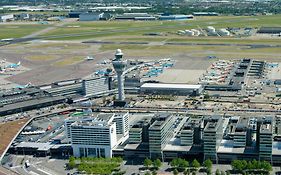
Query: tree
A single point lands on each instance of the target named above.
(175, 172)
(157, 163)
(266, 166)
(147, 163)
(222, 173)
(193, 173)
(208, 164)
(227, 173)
(154, 172)
(71, 158)
(174, 163)
(218, 172)
(71, 164)
(147, 173)
(209, 171)
(183, 163)
(186, 172)
(195, 164)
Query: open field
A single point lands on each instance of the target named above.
(8, 131)
(69, 61)
(41, 57)
(87, 30)
(60, 54)
(20, 30)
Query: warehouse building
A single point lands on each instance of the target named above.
(176, 89)
(175, 17)
(269, 30)
(6, 18)
(135, 16)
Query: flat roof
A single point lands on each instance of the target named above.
(32, 102)
(171, 86)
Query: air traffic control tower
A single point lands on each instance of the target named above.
(120, 65)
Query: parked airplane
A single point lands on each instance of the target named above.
(13, 65)
(89, 58)
(3, 61)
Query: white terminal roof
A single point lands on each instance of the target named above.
(170, 86)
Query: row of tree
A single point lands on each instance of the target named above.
(156, 164)
(242, 165)
(93, 165)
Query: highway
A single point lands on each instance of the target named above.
(183, 110)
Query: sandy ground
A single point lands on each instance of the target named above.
(46, 70)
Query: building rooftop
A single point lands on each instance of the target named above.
(213, 123)
(102, 120)
(167, 86)
(266, 128)
(161, 119)
(191, 123)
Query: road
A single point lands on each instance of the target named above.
(184, 110)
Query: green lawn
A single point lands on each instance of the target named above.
(89, 30)
(17, 31)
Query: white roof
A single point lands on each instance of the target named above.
(170, 86)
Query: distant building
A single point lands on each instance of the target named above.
(75, 14)
(94, 138)
(6, 18)
(23, 16)
(135, 16)
(175, 17)
(205, 14)
(269, 30)
(93, 16)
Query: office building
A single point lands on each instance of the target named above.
(241, 132)
(96, 86)
(212, 136)
(191, 132)
(160, 133)
(122, 123)
(94, 138)
(69, 121)
(139, 132)
(265, 138)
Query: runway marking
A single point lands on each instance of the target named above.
(39, 169)
(33, 173)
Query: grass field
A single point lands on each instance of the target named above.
(69, 61)
(41, 57)
(17, 31)
(87, 30)
(196, 51)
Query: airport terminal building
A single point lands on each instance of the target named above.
(176, 89)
